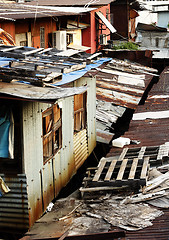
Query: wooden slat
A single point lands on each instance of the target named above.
(141, 153)
(45, 50)
(122, 155)
(33, 51)
(122, 169)
(100, 169)
(110, 170)
(11, 49)
(144, 168)
(133, 169)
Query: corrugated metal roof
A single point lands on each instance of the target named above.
(16, 11)
(151, 132)
(29, 92)
(72, 2)
(120, 85)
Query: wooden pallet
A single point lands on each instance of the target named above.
(114, 173)
(157, 154)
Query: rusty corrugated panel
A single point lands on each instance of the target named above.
(159, 229)
(6, 38)
(151, 132)
(80, 148)
(14, 205)
(71, 3)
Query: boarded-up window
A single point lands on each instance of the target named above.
(52, 131)
(80, 115)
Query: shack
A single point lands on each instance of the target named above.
(47, 131)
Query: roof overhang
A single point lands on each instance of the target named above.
(28, 92)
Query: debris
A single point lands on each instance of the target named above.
(121, 142)
(3, 187)
(142, 197)
(69, 214)
(49, 207)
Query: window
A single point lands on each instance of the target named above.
(42, 37)
(69, 37)
(107, 14)
(103, 39)
(52, 131)
(80, 115)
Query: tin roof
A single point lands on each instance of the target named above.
(14, 11)
(72, 2)
(28, 92)
(120, 86)
(149, 126)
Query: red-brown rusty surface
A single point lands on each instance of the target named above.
(151, 132)
(132, 94)
(159, 229)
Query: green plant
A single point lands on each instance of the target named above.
(126, 45)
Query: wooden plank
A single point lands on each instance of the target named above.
(33, 51)
(95, 189)
(12, 49)
(122, 155)
(133, 169)
(141, 153)
(122, 169)
(144, 168)
(94, 56)
(110, 170)
(45, 50)
(100, 169)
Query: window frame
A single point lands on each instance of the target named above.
(52, 130)
(42, 37)
(80, 112)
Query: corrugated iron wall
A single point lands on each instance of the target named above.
(14, 204)
(44, 181)
(80, 148)
(91, 109)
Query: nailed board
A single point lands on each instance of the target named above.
(157, 154)
(117, 173)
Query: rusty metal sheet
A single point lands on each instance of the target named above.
(14, 205)
(71, 3)
(28, 11)
(30, 92)
(80, 148)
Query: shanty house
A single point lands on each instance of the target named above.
(95, 24)
(46, 133)
(42, 27)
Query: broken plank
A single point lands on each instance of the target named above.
(122, 169)
(45, 50)
(100, 169)
(96, 189)
(133, 169)
(33, 51)
(144, 168)
(74, 68)
(110, 170)
(12, 49)
(94, 56)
